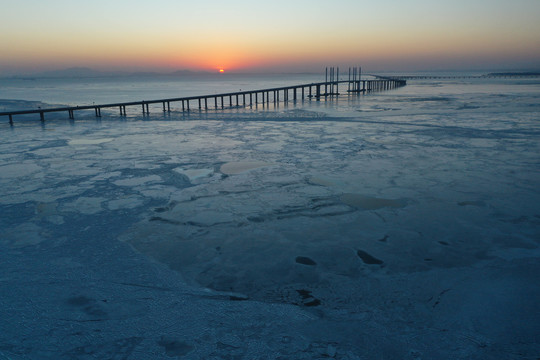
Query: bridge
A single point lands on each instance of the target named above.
(505, 75)
(330, 87)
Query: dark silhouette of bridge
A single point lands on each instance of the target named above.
(329, 87)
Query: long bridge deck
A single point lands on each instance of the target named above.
(243, 98)
(456, 77)
(330, 87)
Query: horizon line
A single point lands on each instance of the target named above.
(87, 72)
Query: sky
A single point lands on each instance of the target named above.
(272, 36)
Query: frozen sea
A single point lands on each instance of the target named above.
(402, 224)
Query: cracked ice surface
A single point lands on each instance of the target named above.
(396, 234)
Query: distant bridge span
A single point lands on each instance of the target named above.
(450, 77)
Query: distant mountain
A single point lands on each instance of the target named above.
(84, 72)
(73, 72)
(191, 73)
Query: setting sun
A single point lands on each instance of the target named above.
(221, 70)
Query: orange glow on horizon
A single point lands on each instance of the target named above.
(383, 48)
(413, 36)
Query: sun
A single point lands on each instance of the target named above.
(221, 71)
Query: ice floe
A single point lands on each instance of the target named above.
(89, 141)
(370, 203)
(237, 167)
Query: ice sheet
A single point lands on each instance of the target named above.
(403, 224)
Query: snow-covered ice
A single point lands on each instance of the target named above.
(395, 225)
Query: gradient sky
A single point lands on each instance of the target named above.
(278, 35)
